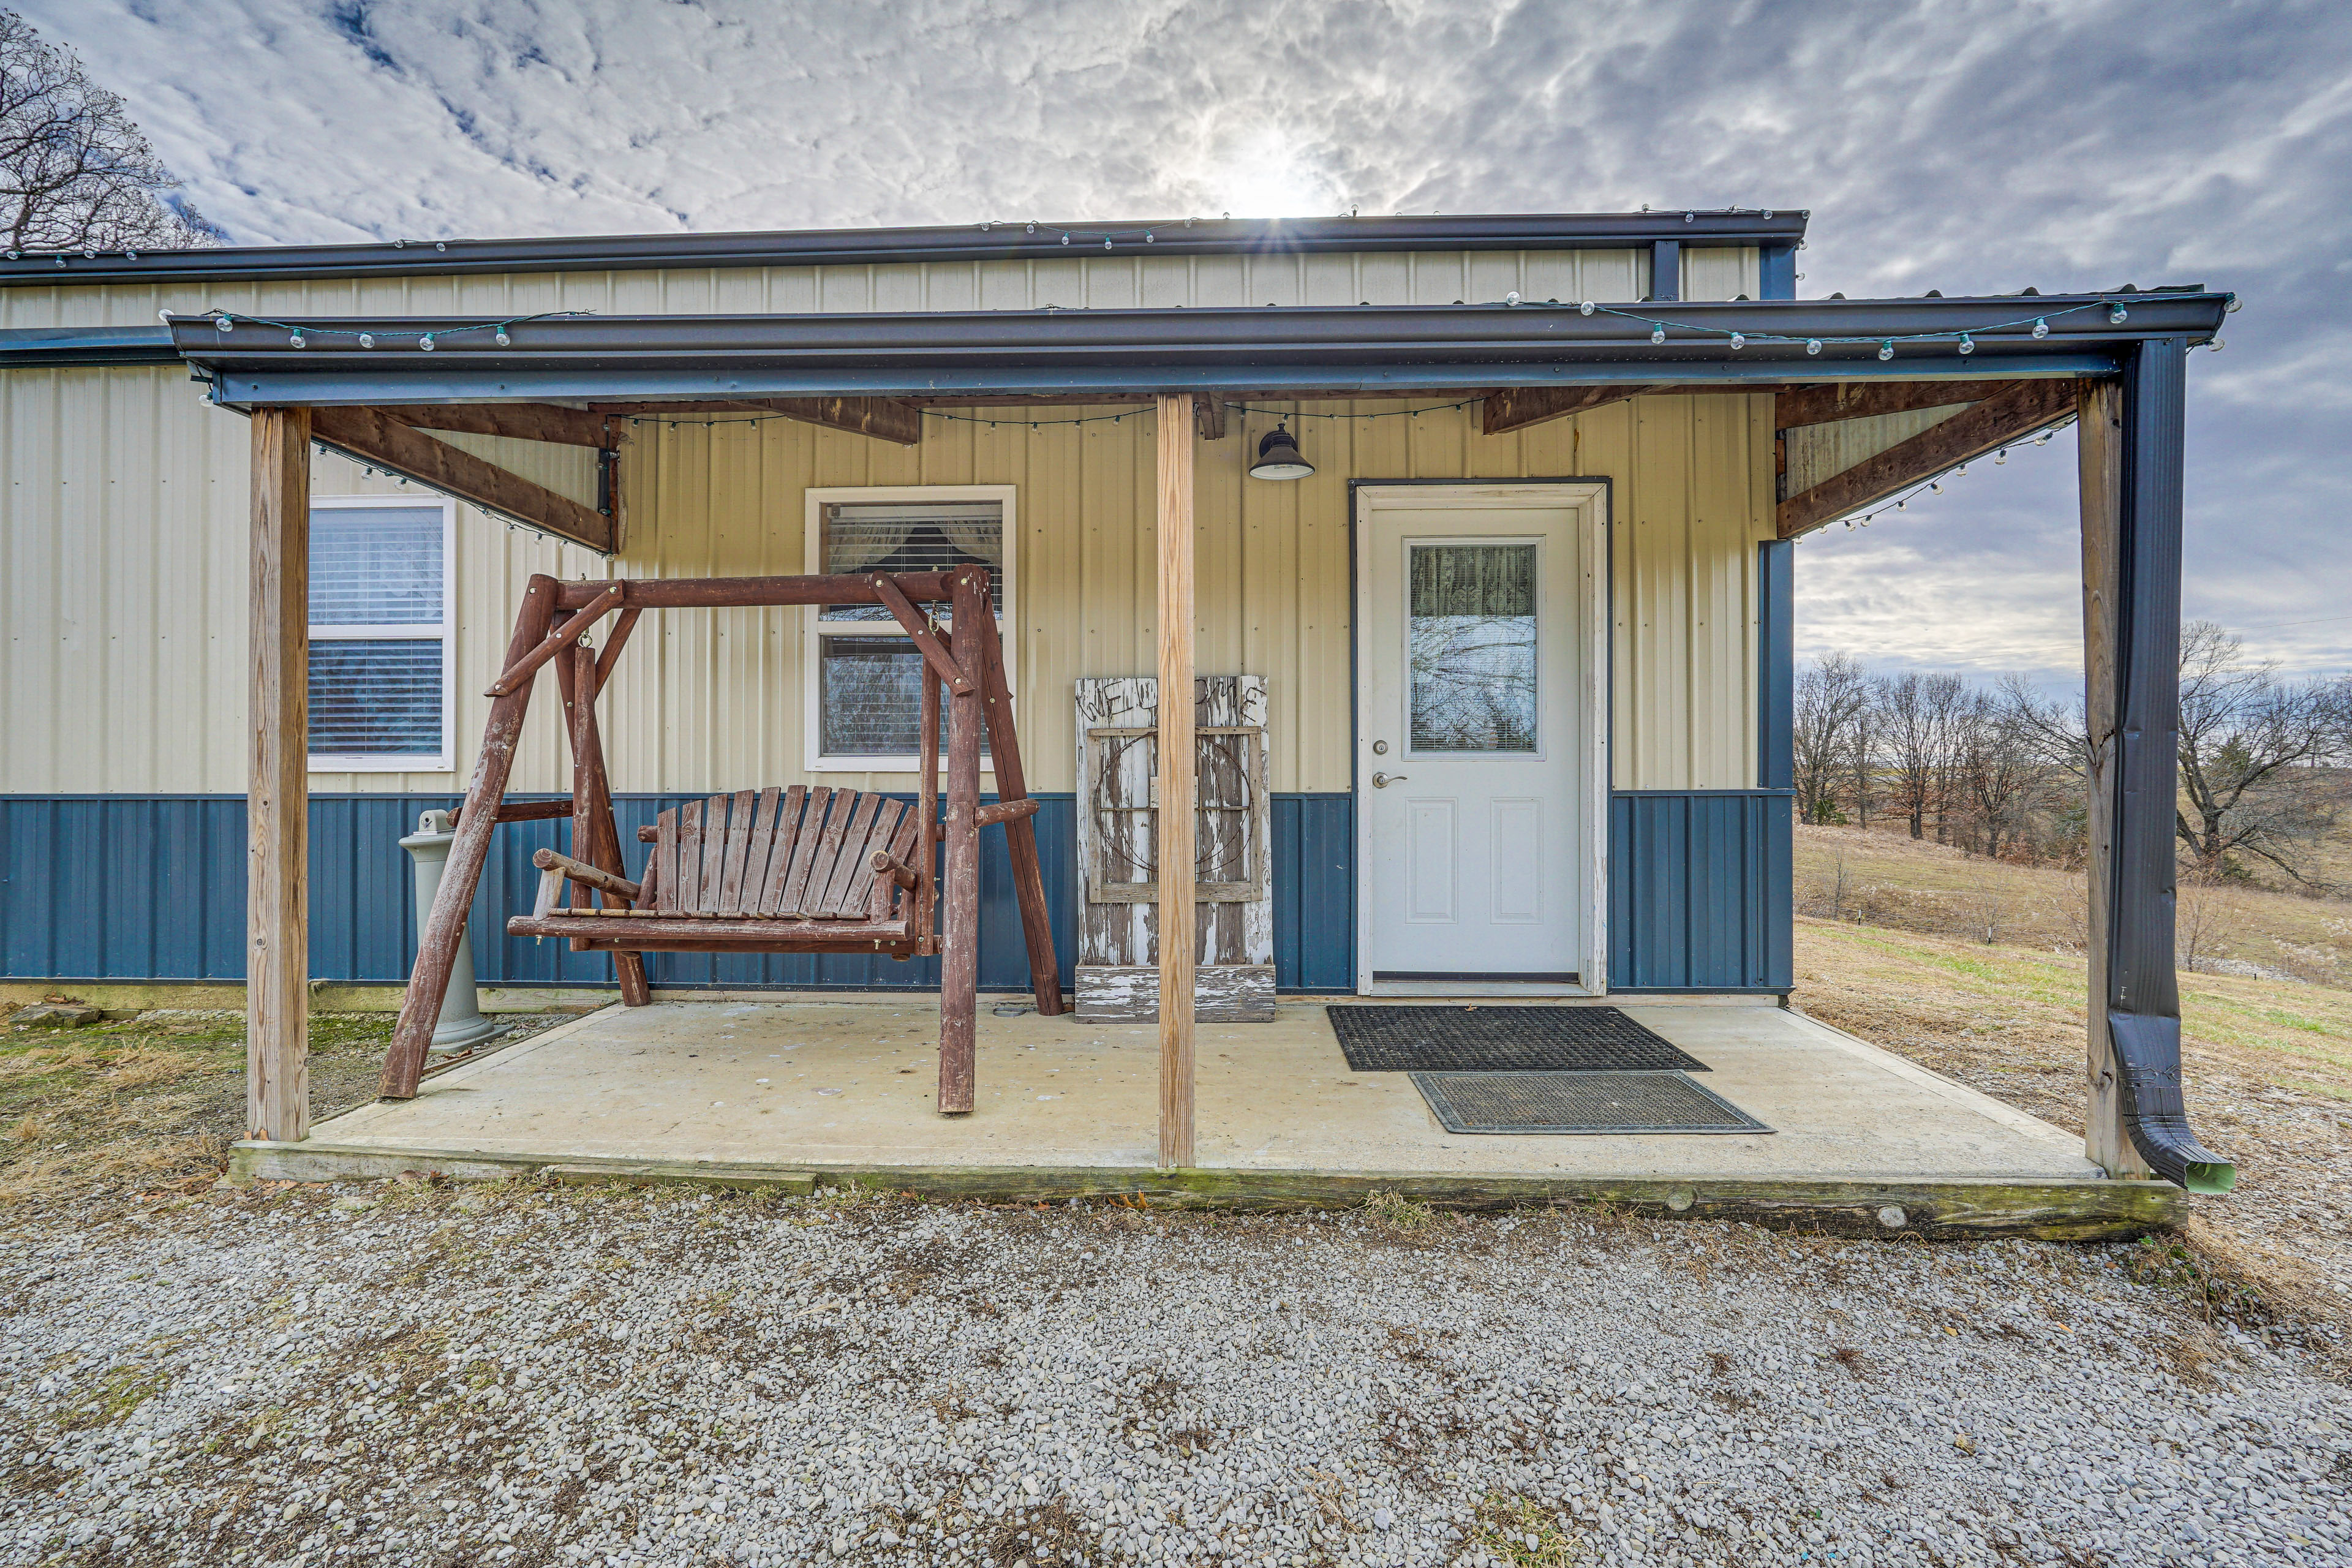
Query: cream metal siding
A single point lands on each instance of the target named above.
(124, 514)
(1817, 452)
(1376, 277)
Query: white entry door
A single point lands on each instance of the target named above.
(1479, 789)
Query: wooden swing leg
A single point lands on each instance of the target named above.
(595, 837)
(1021, 833)
(437, 946)
(960, 964)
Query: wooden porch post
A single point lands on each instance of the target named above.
(1175, 872)
(2099, 447)
(277, 794)
(2131, 442)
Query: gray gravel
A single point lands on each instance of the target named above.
(397, 1374)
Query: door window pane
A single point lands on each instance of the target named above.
(1471, 612)
(371, 697)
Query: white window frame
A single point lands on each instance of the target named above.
(441, 760)
(1007, 620)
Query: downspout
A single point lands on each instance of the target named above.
(2143, 1000)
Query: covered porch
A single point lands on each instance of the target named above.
(1856, 404)
(761, 1093)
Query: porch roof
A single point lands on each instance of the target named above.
(1293, 350)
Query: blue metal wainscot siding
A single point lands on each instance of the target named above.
(1698, 890)
(151, 888)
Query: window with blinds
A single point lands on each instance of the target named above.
(379, 636)
(868, 690)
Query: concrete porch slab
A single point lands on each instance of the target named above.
(841, 1091)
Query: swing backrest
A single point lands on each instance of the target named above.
(797, 853)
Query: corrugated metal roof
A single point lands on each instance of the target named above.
(954, 242)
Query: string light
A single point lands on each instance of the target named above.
(1099, 418)
(299, 336)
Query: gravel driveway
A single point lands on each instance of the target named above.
(399, 1373)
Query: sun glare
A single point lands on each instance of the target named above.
(1268, 179)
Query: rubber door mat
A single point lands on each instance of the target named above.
(1501, 1039)
(1586, 1103)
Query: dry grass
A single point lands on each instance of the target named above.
(2268, 1066)
(1887, 878)
(152, 1102)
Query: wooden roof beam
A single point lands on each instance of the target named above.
(883, 419)
(519, 421)
(369, 435)
(1832, 401)
(1516, 407)
(2019, 409)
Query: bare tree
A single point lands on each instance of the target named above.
(2250, 748)
(1862, 747)
(1830, 692)
(1920, 714)
(75, 173)
(2003, 776)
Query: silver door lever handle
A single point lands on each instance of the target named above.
(1382, 781)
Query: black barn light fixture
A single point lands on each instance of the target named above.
(1278, 458)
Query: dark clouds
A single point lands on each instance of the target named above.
(1950, 146)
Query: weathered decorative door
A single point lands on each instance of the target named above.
(1119, 757)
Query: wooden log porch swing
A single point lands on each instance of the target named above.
(792, 870)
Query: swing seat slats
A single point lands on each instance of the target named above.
(772, 867)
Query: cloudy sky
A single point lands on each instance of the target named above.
(1953, 145)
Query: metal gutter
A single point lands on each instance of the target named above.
(24, 347)
(958, 242)
(1361, 349)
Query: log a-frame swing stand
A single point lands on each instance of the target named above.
(793, 870)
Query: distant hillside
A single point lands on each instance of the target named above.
(1888, 879)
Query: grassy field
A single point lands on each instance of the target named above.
(2267, 1065)
(1887, 879)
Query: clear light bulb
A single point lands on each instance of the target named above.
(294, 341)
(1658, 334)
(426, 342)
(1812, 346)
(1886, 349)
(2117, 315)
(224, 323)
(1739, 339)
(1903, 505)
(1936, 486)
(2041, 327)
(1030, 229)
(1106, 242)
(1149, 239)
(503, 340)
(367, 339)
(2042, 439)
(2215, 345)
(2001, 457)
(1968, 344)
(1512, 298)
(1585, 308)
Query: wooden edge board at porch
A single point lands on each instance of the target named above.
(1957, 1208)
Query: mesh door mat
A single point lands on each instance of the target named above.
(1501, 1039)
(1579, 1103)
